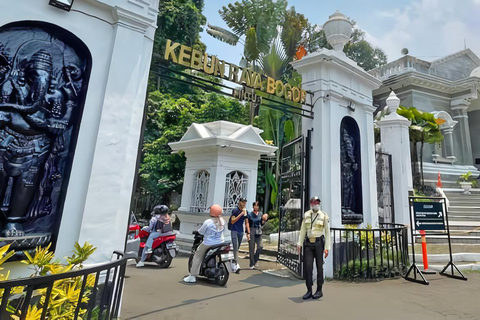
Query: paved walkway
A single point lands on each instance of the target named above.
(153, 293)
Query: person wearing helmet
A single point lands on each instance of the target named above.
(212, 230)
(160, 224)
(315, 240)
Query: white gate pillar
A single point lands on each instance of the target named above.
(396, 141)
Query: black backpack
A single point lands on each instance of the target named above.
(162, 227)
(229, 224)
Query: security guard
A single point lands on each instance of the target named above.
(315, 239)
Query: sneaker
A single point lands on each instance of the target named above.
(256, 265)
(190, 279)
(140, 264)
(252, 267)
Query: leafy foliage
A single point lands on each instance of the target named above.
(168, 119)
(180, 21)
(423, 129)
(65, 293)
(467, 177)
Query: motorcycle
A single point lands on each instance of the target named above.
(164, 248)
(217, 262)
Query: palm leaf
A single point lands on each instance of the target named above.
(251, 51)
(222, 35)
(289, 128)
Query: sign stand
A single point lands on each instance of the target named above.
(430, 214)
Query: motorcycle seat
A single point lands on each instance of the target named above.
(219, 245)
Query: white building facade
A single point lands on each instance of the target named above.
(448, 88)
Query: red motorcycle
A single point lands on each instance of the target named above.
(164, 248)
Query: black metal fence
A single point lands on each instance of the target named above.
(98, 297)
(376, 253)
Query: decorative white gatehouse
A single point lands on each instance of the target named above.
(222, 162)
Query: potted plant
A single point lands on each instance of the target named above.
(467, 181)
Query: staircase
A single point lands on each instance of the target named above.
(464, 217)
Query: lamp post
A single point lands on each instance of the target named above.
(62, 4)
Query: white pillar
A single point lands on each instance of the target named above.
(396, 141)
(107, 206)
(459, 108)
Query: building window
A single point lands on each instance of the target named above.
(200, 191)
(235, 188)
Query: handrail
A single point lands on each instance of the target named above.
(110, 289)
(70, 274)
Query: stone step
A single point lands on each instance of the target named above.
(444, 258)
(464, 227)
(464, 213)
(465, 207)
(463, 218)
(443, 248)
(460, 239)
(475, 233)
(463, 198)
(475, 266)
(463, 201)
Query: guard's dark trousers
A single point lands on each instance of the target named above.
(313, 251)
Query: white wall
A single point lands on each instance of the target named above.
(120, 39)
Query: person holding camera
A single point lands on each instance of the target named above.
(315, 240)
(238, 220)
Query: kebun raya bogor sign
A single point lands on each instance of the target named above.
(211, 65)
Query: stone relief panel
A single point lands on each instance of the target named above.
(351, 176)
(44, 72)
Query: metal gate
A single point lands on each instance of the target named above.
(384, 188)
(291, 191)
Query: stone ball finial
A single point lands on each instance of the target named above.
(393, 102)
(338, 30)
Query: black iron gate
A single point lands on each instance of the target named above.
(291, 191)
(386, 213)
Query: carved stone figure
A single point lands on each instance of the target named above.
(40, 88)
(349, 165)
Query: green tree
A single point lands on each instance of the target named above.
(172, 106)
(423, 129)
(168, 119)
(180, 21)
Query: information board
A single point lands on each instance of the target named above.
(428, 216)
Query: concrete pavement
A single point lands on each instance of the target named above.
(153, 293)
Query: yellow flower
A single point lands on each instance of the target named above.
(32, 314)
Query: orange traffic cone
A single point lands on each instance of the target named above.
(439, 181)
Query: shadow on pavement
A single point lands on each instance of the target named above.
(267, 280)
(191, 301)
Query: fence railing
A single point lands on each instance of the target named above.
(98, 297)
(362, 254)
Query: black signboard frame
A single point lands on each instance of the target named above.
(413, 228)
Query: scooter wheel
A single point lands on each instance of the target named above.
(223, 275)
